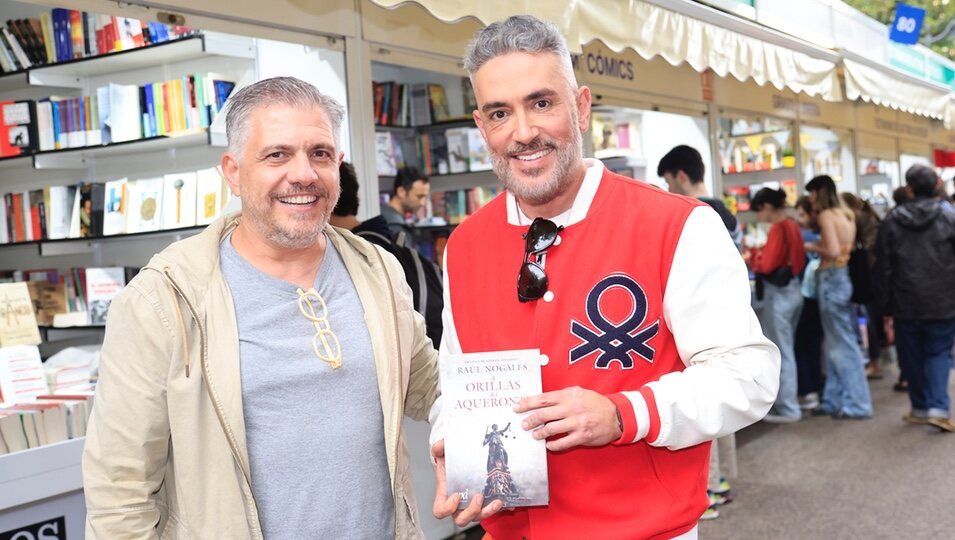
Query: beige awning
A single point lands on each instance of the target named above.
(682, 34)
(893, 89)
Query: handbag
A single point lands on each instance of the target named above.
(781, 276)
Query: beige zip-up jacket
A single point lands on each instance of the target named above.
(165, 452)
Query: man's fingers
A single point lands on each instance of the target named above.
(546, 399)
(491, 509)
(541, 417)
(556, 427)
(445, 506)
(471, 513)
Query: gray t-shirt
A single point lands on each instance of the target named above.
(315, 434)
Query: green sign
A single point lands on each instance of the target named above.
(908, 59)
(940, 73)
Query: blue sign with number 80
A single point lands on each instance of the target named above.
(907, 25)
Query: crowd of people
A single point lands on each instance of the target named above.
(253, 377)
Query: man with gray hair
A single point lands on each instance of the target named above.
(636, 298)
(253, 376)
(915, 286)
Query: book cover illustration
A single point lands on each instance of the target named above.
(17, 318)
(209, 189)
(102, 285)
(486, 449)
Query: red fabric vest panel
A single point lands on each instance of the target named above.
(626, 243)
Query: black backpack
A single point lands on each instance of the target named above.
(424, 278)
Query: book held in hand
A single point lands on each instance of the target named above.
(486, 449)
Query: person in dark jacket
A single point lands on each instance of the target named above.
(915, 284)
(422, 275)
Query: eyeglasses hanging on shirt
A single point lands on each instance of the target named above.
(325, 343)
(532, 280)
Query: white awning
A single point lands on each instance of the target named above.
(701, 36)
(890, 88)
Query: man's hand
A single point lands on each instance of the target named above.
(445, 506)
(587, 418)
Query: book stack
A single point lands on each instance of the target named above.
(120, 206)
(32, 417)
(61, 35)
(402, 105)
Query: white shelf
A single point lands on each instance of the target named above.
(40, 473)
(758, 177)
(80, 158)
(71, 74)
(448, 182)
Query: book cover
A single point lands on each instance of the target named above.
(479, 158)
(49, 300)
(208, 195)
(102, 285)
(387, 164)
(76, 34)
(125, 117)
(21, 374)
(115, 207)
(458, 155)
(486, 449)
(179, 200)
(17, 128)
(145, 208)
(17, 318)
(420, 105)
(439, 103)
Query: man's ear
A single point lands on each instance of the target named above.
(230, 171)
(584, 102)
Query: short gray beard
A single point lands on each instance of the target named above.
(569, 156)
(299, 238)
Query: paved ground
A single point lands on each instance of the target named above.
(844, 479)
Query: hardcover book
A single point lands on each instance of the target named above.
(179, 200)
(209, 195)
(486, 449)
(17, 317)
(102, 285)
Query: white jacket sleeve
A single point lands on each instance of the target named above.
(449, 345)
(732, 372)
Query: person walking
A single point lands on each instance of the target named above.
(915, 285)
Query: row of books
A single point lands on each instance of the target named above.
(400, 104)
(79, 296)
(50, 419)
(32, 416)
(455, 150)
(455, 206)
(66, 34)
(115, 113)
(121, 206)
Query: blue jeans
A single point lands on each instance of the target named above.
(925, 347)
(778, 314)
(847, 390)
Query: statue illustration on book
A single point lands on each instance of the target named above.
(499, 485)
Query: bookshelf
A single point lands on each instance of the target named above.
(423, 120)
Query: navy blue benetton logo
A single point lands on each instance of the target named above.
(615, 342)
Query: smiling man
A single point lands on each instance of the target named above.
(638, 300)
(253, 377)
